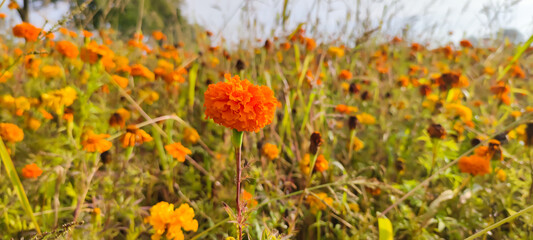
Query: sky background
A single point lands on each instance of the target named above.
(428, 20)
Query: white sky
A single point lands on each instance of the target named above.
(228, 17)
(464, 17)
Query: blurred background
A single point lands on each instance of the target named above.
(426, 21)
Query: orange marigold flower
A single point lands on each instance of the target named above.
(11, 132)
(475, 165)
(119, 118)
(13, 5)
(501, 91)
(190, 135)
(120, 81)
(2, 15)
(270, 150)
(158, 35)
(27, 31)
(310, 44)
(316, 202)
(96, 142)
(465, 43)
(341, 108)
(321, 163)
(249, 199)
(46, 114)
(239, 104)
(518, 72)
(345, 74)
(178, 151)
(67, 49)
(164, 218)
(141, 71)
(134, 135)
(31, 171)
(87, 34)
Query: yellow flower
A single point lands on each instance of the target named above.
(270, 150)
(316, 203)
(60, 98)
(365, 118)
(304, 164)
(459, 110)
(336, 51)
(149, 96)
(500, 174)
(52, 71)
(357, 144)
(191, 135)
(5, 76)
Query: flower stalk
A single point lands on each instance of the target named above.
(236, 139)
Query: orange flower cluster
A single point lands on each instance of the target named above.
(27, 31)
(478, 163)
(178, 151)
(138, 70)
(67, 49)
(164, 218)
(239, 104)
(270, 150)
(31, 171)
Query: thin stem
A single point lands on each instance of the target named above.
(503, 221)
(237, 143)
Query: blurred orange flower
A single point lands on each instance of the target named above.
(31, 171)
(178, 151)
(11, 132)
(67, 49)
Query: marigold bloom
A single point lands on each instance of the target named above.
(270, 150)
(164, 218)
(158, 35)
(190, 135)
(87, 34)
(475, 165)
(500, 174)
(67, 49)
(357, 144)
(60, 98)
(321, 163)
(119, 118)
(120, 81)
(178, 151)
(518, 72)
(365, 118)
(341, 108)
(457, 109)
(134, 135)
(52, 71)
(316, 203)
(345, 74)
(27, 31)
(501, 91)
(96, 142)
(249, 199)
(11, 132)
(239, 104)
(31, 171)
(138, 70)
(465, 43)
(304, 164)
(13, 5)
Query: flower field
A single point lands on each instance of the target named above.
(106, 136)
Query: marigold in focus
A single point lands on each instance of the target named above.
(239, 104)
(31, 171)
(270, 150)
(178, 151)
(96, 142)
(134, 135)
(11, 132)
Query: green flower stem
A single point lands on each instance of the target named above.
(236, 139)
(503, 221)
(15, 180)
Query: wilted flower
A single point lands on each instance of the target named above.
(436, 131)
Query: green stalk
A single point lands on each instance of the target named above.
(193, 73)
(307, 110)
(15, 180)
(503, 221)
(236, 139)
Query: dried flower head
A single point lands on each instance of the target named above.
(316, 141)
(436, 131)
